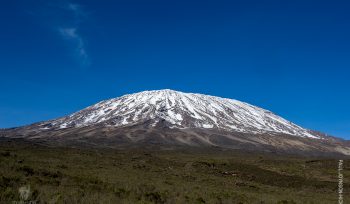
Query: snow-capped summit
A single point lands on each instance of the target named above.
(172, 119)
(180, 110)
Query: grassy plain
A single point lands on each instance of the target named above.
(73, 175)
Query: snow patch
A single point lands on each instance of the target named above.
(183, 110)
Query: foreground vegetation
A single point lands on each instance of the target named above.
(71, 175)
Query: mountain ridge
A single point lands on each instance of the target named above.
(201, 111)
(173, 118)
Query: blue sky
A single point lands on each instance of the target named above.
(291, 57)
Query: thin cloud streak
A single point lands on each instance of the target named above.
(71, 35)
(70, 32)
(78, 11)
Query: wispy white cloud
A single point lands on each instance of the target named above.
(69, 30)
(77, 10)
(74, 7)
(71, 35)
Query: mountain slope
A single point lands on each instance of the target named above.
(172, 118)
(181, 110)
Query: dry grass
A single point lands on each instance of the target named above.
(66, 175)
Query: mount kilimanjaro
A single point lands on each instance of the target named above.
(167, 118)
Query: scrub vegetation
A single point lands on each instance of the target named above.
(82, 175)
